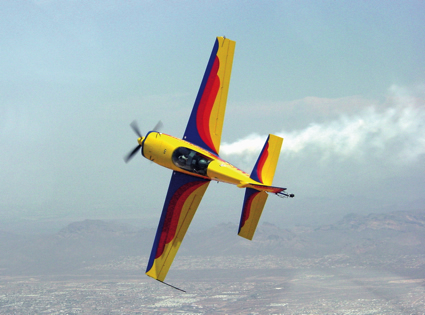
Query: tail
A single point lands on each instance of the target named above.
(255, 194)
(265, 167)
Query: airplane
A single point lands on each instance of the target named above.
(195, 162)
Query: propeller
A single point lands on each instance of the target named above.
(136, 129)
(130, 155)
(158, 126)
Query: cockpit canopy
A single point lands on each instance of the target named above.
(191, 160)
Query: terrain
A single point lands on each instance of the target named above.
(360, 265)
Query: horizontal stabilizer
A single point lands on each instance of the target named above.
(269, 189)
(253, 206)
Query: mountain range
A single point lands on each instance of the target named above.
(92, 242)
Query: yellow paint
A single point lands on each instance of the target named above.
(159, 148)
(257, 206)
(225, 55)
(162, 264)
(275, 144)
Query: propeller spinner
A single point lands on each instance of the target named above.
(136, 129)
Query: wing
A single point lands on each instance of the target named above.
(253, 206)
(183, 197)
(206, 120)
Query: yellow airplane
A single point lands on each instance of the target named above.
(195, 161)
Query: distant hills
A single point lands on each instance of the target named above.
(90, 242)
(396, 233)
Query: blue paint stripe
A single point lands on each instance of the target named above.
(254, 174)
(177, 180)
(248, 193)
(192, 134)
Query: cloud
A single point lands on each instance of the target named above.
(393, 129)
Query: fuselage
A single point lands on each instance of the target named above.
(183, 156)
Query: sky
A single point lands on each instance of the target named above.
(342, 82)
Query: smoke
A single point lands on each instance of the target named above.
(393, 129)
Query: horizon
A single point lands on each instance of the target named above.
(53, 226)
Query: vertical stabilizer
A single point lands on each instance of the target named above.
(265, 167)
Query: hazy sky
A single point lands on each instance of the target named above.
(343, 82)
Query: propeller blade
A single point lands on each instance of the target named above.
(158, 126)
(136, 129)
(130, 155)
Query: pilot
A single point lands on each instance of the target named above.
(202, 164)
(182, 159)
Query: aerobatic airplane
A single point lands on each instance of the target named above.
(195, 161)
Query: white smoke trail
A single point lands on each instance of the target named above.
(394, 129)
